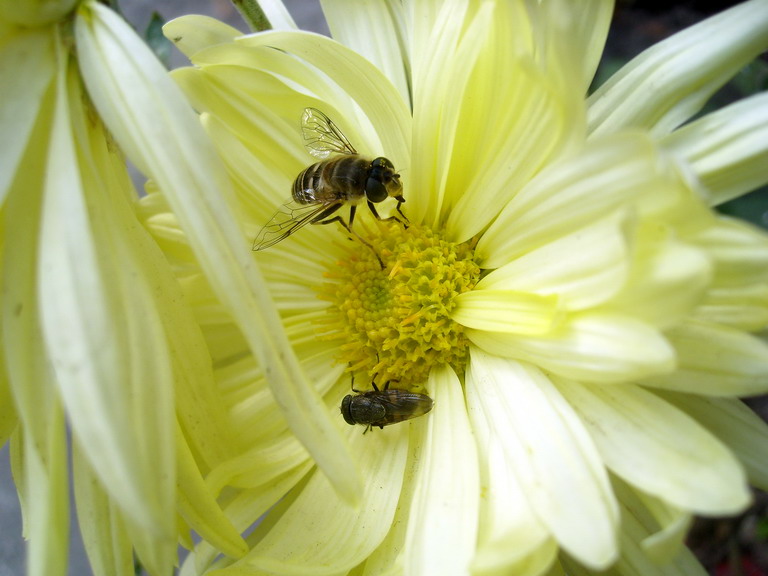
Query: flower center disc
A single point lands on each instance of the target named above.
(394, 323)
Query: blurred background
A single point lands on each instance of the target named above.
(727, 547)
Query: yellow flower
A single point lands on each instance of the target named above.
(563, 290)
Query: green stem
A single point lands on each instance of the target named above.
(252, 14)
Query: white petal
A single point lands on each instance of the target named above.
(715, 360)
(659, 449)
(198, 506)
(374, 29)
(194, 32)
(584, 268)
(277, 14)
(318, 533)
(520, 108)
(595, 347)
(668, 278)
(377, 97)
(511, 538)
(102, 328)
(101, 524)
(162, 136)
(575, 36)
(442, 528)
(27, 68)
(619, 171)
(554, 459)
(671, 81)
(743, 431)
(739, 251)
(726, 149)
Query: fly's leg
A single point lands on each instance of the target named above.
(340, 220)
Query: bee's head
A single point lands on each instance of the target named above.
(383, 181)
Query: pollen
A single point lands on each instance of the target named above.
(393, 323)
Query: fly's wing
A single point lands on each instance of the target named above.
(289, 218)
(402, 405)
(321, 136)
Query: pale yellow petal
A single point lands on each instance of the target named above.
(446, 498)
(374, 29)
(507, 311)
(659, 449)
(44, 485)
(739, 251)
(517, 111)
(101, 328)
(619, 171)
(162, 136)
(726, 150)
(715, 360)
(553, 457)
(669, 82)
(743, 431)
(194, 32)
(595, 347)
(668, 278)
(27, 68)
(198, 506)
(742, 307)
(298, 543)
(584, 268)
(510, 536)
(101, 524)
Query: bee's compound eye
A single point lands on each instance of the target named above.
(375, 190)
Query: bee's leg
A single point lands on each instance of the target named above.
(366, 429)
(375, 387)
(400, 200)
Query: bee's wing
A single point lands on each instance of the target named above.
(403, 405)
(321, 136)
(289, 218)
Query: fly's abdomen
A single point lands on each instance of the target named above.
(341, 178)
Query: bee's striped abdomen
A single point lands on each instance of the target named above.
(341, 178)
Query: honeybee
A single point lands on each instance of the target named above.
(320, 190)
(383, 407)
